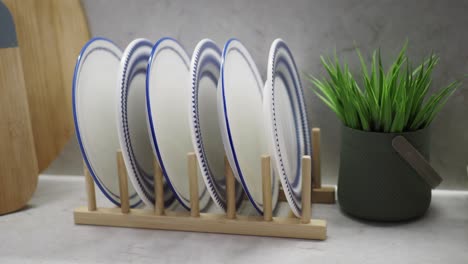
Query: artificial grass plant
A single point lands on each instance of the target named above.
(395, 101)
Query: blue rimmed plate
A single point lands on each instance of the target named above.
(168, 93)
(241, 117)
(131, 118)
(286, 121)
(204, 124)
(94, 90)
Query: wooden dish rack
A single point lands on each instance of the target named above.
(228, 223)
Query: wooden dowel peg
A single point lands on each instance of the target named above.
(193, 184)
(123, 184)
(158, 188)
(90, 191)
(266, 183)
(306, 189)
(230, 190)
(316, 170)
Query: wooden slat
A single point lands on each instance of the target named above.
(324, 195)
(208, 223)
(266, 183)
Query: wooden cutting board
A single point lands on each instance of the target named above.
(18, 166)
(71, 27)
(50, 35)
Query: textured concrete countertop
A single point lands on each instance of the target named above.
(45, 233)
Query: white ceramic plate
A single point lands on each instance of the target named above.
(286, 121)
(204, 124)
(131, 117)
(94, 90)
(168, 93)
(241, 119)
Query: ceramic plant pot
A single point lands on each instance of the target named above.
(376, 183)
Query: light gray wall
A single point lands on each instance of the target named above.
(313, 28)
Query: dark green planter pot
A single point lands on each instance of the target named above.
(375, 183)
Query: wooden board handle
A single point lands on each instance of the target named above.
(417, 161)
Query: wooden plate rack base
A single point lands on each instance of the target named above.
(229, 223)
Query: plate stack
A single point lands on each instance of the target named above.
(153, 100)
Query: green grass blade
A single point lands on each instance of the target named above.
(394, 100)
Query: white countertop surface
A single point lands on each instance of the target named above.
(44, 232)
